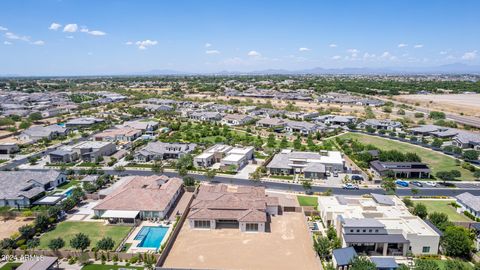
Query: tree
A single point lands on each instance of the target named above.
(33, 243)
(470, 155)
(362, 263)
(188, 181)
(440, 220)
(105, 243)
(445, 176)
(27, 231)
(437, 115)
(157, 166)
(7, 243)
(210, 174)
(407, 202)
(420, 210)
(476, 174)
(35, 116)
(297, 144)
(331, 233)
(42, 222)
(424, 264)
(388, 184)
(56, 244)
(307, 185)
(457, 265)
(456, 242)
(271, 143)
(119, 168)
(284, 143)
(80, 241)
(437, 143)
(321, 244)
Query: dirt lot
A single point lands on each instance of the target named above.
(469, 104)
(9, 227)
(287, 246)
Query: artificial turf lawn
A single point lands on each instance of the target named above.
(442, 206)
(307, 201)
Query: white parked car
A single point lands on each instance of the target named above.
(430, 183)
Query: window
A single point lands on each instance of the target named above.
(351, 230)
(376, 230)
(252, 227)
(358, 230)
(370, 230)
(425, 249)
(364, 231)
(201, 224)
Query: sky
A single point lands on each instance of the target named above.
(66, 37)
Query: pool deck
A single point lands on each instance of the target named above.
(131, 239)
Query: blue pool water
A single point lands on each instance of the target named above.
(68, 193)
(151, 236)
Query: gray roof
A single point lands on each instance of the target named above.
(468, 137)
(382, 199)
(375, 238)
(43, 264)
(18, 184)
(469, 200)
(384, 262)
(343, 256)
(315, 167)
(154, 148)
(60, 152)
(384, 123)
(363, 222)
(40, 131)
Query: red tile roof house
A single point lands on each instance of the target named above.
(222, 206)
(140, 197)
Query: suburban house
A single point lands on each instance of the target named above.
(301, 115)
(335, 120)
(276, 124)
(303, 128)
(83, 122)
(8, 148)
(147, 127)
(22, 188)
(36, 133)
(467, 140)
(206, 116)
(140, 197)
(122, 134)
(223, 206)
(236, 119)
(378, 225)
(62, 156)
(226, 155)
(91, 151)
(400, 169)
(469, 203)
(268, 113)
(434, 131)
(384, 124)
(311, 164)
(161, 150)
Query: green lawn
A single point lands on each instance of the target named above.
(441, 264)
(307, 201)
(108, 267)
(94, 230)
(436, 161)
(443, 207)
(68, 184)
(10, 266)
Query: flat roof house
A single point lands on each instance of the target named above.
(311, 164)
(469, 202)
(8, 148)
(382, 124)
(161, 150)
(62, 156)
(22, 188)
(90, 151)
(122, 134)
(401, 169)
(140, 197)
(222, 206)
(378, 225)
(226, 155)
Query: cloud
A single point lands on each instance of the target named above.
(402, 45)
(14, 36)
(212, 52)
(70, 28)
(144, 44)
(7, 43)
(3, 28)
(55, 26)
(336, 57)
(388, 56)
(70, 37)
(418, 46)
(469, 55)
(443, 52)
(97, 33)
(129, 43)
(333, 45)
(39, 43)
(353, 52)
(254, 54)
(303, 49)
(368, 56)
(208, 45)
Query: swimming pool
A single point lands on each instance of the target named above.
(151, 236)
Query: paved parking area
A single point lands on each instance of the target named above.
(245, 172)
(287, 246)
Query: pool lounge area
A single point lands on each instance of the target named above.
(148, 236)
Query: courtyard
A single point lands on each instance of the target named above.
(288, 245)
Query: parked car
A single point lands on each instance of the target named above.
(350, 186)
(416, 183)
(401, 183)
(430, 183)
(356, 177)
(335, 174)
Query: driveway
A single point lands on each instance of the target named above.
(246, 171)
